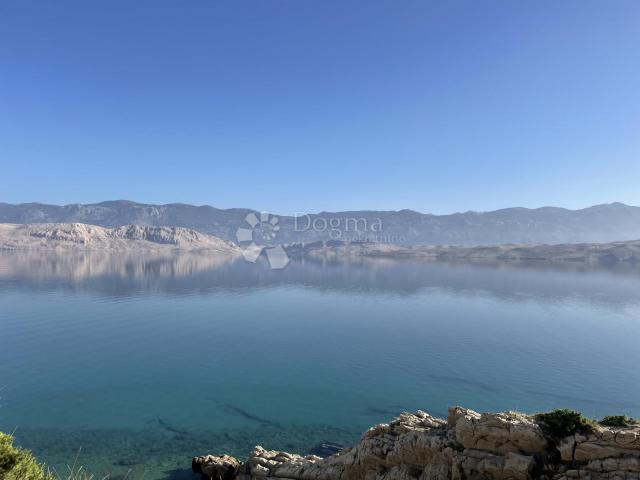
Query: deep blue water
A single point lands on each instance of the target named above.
(141, 363)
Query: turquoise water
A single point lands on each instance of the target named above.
(137, 364)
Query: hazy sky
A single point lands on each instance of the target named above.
(307, 105)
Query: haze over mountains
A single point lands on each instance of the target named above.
(552, 225)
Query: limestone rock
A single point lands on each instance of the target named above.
(467, 446)
(82, 237)
(223, 467)
(498, 433)
(481, 464)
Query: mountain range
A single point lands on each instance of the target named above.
(548, 225)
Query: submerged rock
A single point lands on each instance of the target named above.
(468, 445)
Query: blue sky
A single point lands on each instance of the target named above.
(308, 105)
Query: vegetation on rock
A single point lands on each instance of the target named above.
(563, 422)
(617, 421)
(18, 464)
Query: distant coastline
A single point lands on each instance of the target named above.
(590, 253)
(82, 237)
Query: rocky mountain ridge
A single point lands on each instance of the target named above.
(597, 224)
(466, 446)
(79, 236)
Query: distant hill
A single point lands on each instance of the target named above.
(597, 224)
(79, 236)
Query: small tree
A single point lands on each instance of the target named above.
(564, 422)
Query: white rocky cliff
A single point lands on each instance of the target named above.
(468, 445)
(80, 236)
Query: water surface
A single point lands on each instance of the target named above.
(143, 362)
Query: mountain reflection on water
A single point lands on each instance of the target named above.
(122, 274)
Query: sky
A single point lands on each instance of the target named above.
(310, 105)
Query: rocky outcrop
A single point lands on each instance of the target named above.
(220, 467)
(468, 445)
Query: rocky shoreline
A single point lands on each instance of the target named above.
(467, 445)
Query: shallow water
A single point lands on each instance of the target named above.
(140, 363)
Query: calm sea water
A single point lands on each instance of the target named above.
(137, 364)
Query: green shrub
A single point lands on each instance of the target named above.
(564, 422)
(18, 464)
(617, 421)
